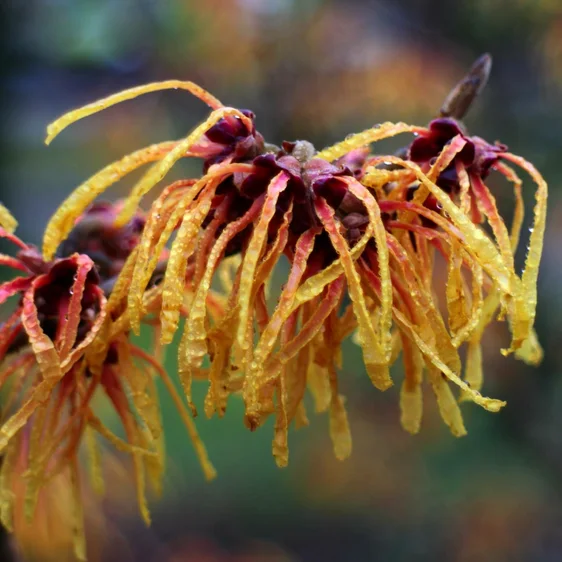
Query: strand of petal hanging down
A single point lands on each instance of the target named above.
(520, 291)
(163, 220)
(276, 323)
(194, 339)
(418, 330)
(526, 300)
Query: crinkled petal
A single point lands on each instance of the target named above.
(71, 117)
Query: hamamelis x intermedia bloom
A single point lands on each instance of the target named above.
(350, 228)
(65, 342)
(362, 238)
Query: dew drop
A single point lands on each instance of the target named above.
(71, 291)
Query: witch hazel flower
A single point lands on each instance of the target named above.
(65, 342)
(360, 235)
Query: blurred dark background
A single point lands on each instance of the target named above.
(314, 69)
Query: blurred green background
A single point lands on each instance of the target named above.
(313, 69)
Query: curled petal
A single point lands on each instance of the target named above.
(71, 117)
(477, 306)
(116, 395)
(139, 384)
(117, 442)
(4, 233)
(455, 291)
(319, 385)
(147, 258)
(79, 350)
(339, 428)
(530, 351)
(156, 236)
(427, 317)
(280, 445)
(340, 432)
(526, 299)
(7, 472)
(473, 376)
(221, 338)
(13, 263)
(359, 140)
(11, 427)
(94, 461)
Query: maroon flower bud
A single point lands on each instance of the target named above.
(230, 139)
(477, 156)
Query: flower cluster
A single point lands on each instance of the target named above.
(357, 240)
(65, 341)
